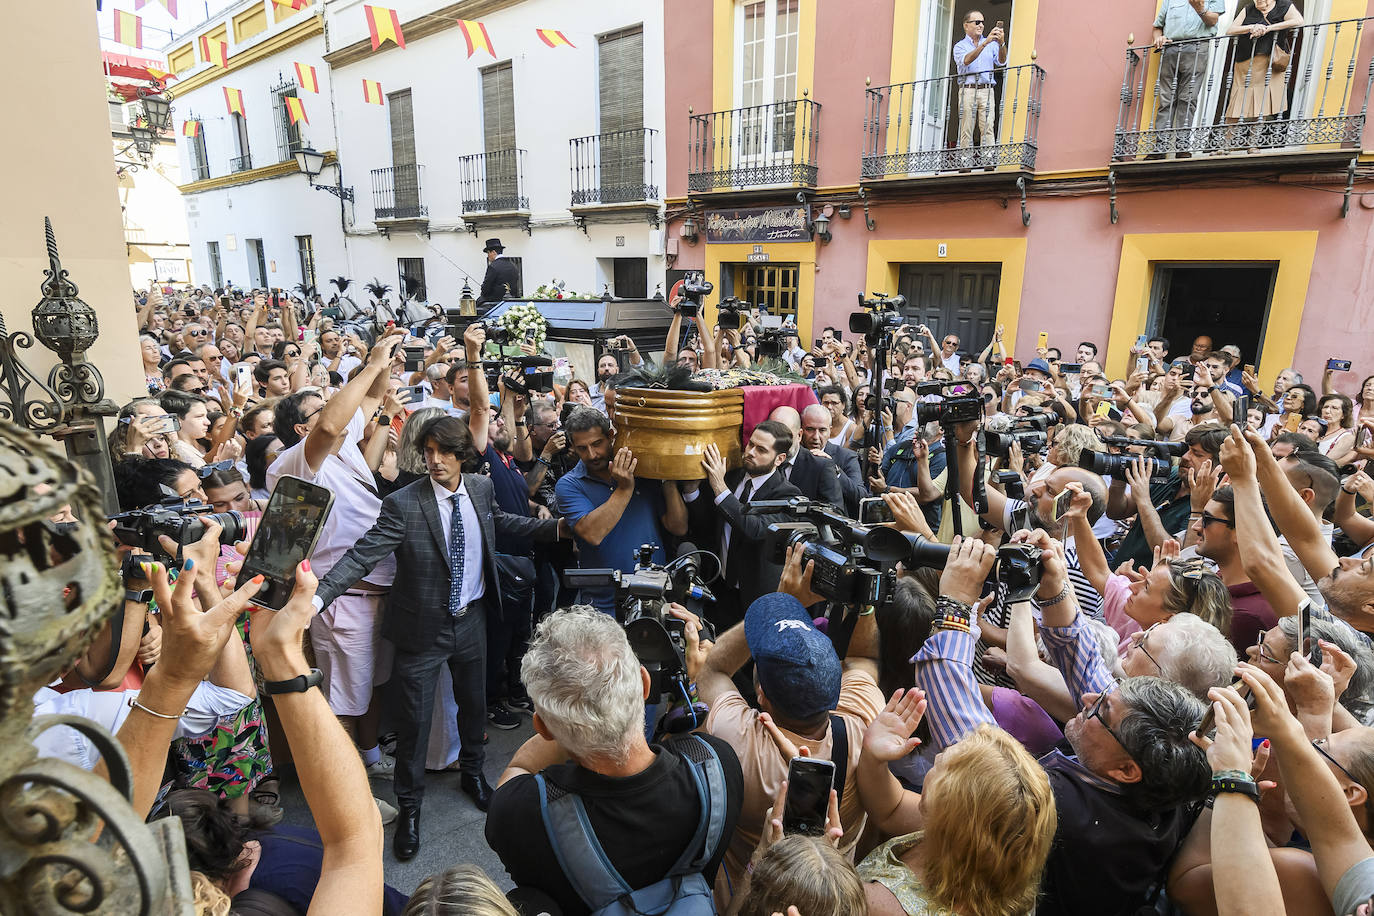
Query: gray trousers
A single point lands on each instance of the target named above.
(1182, 73)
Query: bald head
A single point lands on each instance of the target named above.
(788, 417)
(815, 429)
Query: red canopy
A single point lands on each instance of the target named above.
(132, 67)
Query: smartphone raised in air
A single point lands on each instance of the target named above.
(1338, 365)
(874, 510)
(290, 526)
(809, 782)
(1043, 341)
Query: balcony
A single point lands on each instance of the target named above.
(613, 175)
(1249, 109)
(760, 146)
(241, 163)
(397, 198)
(494, 183)
(925, 129)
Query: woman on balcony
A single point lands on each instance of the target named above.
(1259, 83)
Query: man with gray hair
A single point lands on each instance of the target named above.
(640, 801)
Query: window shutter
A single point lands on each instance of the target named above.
(498, 107)
(621, 81)
(402, 128)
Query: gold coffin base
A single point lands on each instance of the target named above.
(668, 431)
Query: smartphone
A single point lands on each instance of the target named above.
(309, 335)
(809, 782)
(1142, 343)
(1043, 341)
(1305, 642)
(1250, 368)
(415, 358)
(820, 362)
(286, 535)
(1338, 365)
(1291, 421)
(1070, 368)
(1001, 25)
(529, 336)
(1101, 391)
(1031, 385)
(1142, 365)
(166, 425)
(1104, 409)
(1240, 411)
(1209, 717)
(874, 510)
(416, 393)
(224, 302)
(243, 375)
(1061, 503)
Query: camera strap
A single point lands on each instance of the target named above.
(839, 753)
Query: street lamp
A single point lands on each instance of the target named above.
(157, 111)
(311, 163)
(467, 305)
(821, 227)
(144, 138)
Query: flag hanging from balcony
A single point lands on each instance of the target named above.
(214, 51)
(295, 109)
(294, 4)
(169, 5)
(233, 100)
(161, 76)
(553, 38)
(476, 34)
(372, 92)
(384, 24)
(190, 129)
(128, 29)
(305, 76)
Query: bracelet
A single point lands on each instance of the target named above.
(951, 623)
(1050, 602)
(1232, 774)
(947, 606)
(869, 612)
(1244, 787)
(135, 704)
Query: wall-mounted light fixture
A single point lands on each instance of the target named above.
(688, 229)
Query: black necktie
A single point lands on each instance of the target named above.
(745, 493)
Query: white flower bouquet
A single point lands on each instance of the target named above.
(523, 319)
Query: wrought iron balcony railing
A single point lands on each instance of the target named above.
(396, 192)
(613, 168)
(756, 146)
(953, 124)
(1290, 90)
(494, 182)
(241, 163)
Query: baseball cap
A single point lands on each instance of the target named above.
(796, 664)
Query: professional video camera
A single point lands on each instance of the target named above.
(531, 375)
(658, 639)
(854, 564)
(883, 314)
(182, 520)
(1159, 447)
(998, 445)
(1114, 466)
(732, 312)
(1012, 484)
(959, 406)
(695, 286)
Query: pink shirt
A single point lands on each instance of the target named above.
(1114, 596)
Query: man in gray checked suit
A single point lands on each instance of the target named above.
(442, 531)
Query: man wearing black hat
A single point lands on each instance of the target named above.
(503, 277)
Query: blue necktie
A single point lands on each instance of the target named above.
(455, 559)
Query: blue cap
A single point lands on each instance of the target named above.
(796, 664)
(1040, 364)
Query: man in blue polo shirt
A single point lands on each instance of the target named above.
(612, 513)
(975, 61)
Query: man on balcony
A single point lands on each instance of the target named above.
(975, 61)
(1182, 67)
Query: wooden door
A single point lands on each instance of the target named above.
(953, 298)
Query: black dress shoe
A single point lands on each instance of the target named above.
(406, 841)
(476, 787)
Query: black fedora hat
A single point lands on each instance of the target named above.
(493, 245)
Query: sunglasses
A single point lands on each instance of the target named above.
(209, 469)
(975, 22)
(1208, 518)
(201, 333)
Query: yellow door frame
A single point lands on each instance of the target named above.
(1294, 253)
(803, 254)
(886, 257)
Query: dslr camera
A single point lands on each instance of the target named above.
(1158, 447)
(1114, 466)
(496, 333)
(878, 315)
(184, 521)
(695, 287)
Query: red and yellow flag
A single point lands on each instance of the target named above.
(233, 100)
(383, 24)
(295, 109)
(190, 129)
(305, 76)
(476, 34)
(553, 38)
(294, 4)
(161, 76)
(169, 5)
(214, 52)
(372, 92)
(128, 29)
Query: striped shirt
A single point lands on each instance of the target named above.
(1089, 601)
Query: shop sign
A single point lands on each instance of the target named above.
(757, 256)
(758, 224)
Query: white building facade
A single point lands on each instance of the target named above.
(557, 151)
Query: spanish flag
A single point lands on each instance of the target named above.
(305, 76)
(384, 24)
(190, 129)
(161, 76)
(214, 52)
(233, 100)
(295, 109)
(553, 38)
(372, 92)
(476, 34)
(294, 4)
(128, 29)
(170, 5)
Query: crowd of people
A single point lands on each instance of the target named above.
(1205, 547)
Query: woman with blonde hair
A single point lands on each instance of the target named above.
(461, 890)
(988, 822)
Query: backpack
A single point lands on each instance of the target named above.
(684, 891)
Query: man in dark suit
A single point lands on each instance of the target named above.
(815, 475)
(442, 531)
(815, 432)
(502, 277)
(749, 570)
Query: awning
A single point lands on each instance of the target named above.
(131, 67)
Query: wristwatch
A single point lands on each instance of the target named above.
(298, 684)
(138, 597)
